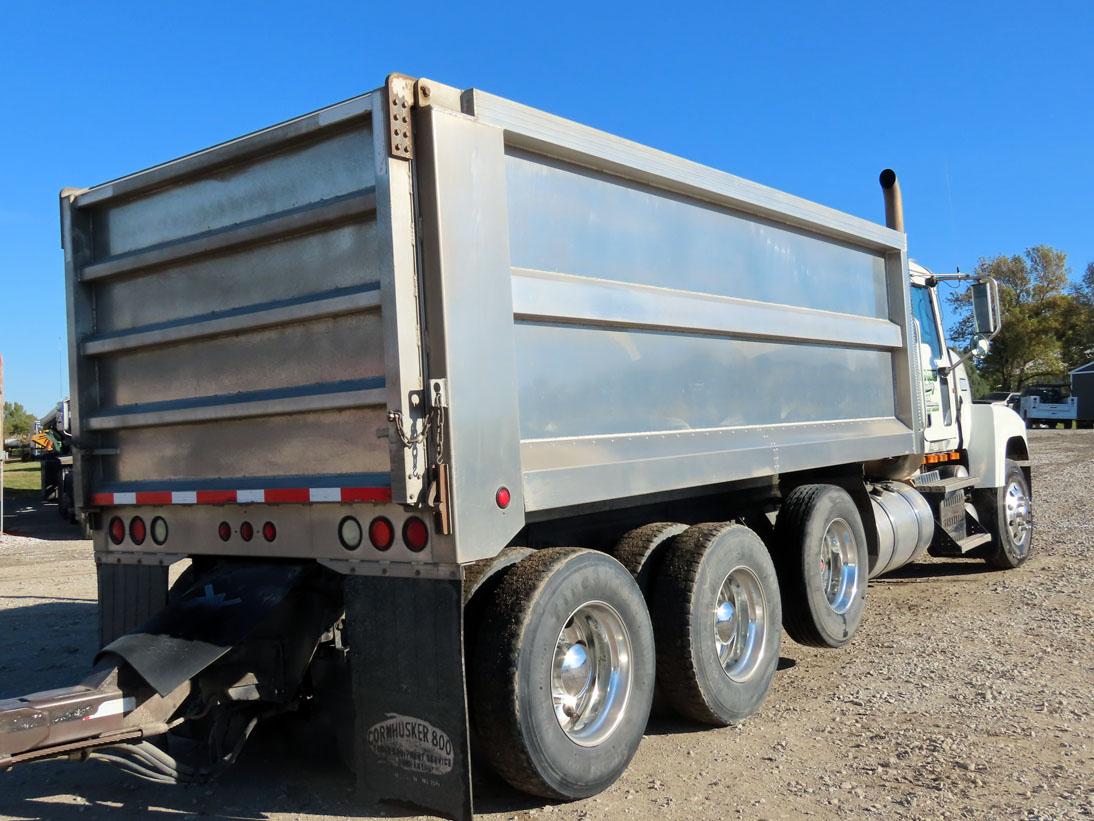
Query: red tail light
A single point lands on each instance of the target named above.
(381, 533)
(225, 531)
(137, 530)
(246, 531)
(415, 534)
(269, 532)
(503, 497)
(117, 530)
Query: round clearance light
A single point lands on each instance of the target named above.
(415, 534)
(225, 531)
(269, 532)
(246, 531)
(137, 530)
(159, 530)
(381, 532)
(503, 497)
(349, 533)
(117, 530)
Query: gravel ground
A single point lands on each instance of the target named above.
(968, 693)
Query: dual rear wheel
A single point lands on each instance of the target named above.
(563, 666)
(562, 662)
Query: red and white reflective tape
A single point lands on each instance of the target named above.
(267, 496)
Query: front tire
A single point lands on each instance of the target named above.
(823, 562)
(717, 620)
(562, 673)
(1007, 514)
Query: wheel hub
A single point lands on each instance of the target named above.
(739, 623)
(1017, 512)
(591, 673)
(839, 565)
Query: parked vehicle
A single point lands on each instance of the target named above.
(1008, 398)
(1082, 389)
(52, 441)
(1047, 405)
(509, 417)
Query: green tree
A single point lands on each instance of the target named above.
(18, 421)
(1037, 310)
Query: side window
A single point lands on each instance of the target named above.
(924, 314)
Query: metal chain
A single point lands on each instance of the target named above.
(434, 419)
(396, 418)
(438, 418)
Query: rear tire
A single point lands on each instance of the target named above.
(1007, 514)
(717, 620)
(823, 564)
(562, 673)
(642, 550)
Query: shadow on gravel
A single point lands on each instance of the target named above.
(922, 571)
(25, 514)
(274, 776)
(45, 645)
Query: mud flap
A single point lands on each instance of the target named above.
(129, 595)
(406, 656)
(212, 617)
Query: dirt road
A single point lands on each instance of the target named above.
(968, 693)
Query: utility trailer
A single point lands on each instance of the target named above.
(476, 423)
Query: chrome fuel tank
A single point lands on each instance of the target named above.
(904, 526)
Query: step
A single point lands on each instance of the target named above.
(944, 486)
(962, 547)
(974, 541)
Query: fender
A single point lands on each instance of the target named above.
(991, 438)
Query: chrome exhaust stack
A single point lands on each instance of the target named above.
(894, 202)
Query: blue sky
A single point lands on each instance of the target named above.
(986, 110)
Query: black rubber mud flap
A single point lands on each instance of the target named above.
(217, 613)
(129, 595)
(406, 655)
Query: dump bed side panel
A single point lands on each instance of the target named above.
(233, 315)
(678, 327)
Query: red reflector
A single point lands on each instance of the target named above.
(381, 533)
(117, 530)
(246, 531)
(137, 530)
(415, 534)
(503, 497)
(269, 532)
(225, 531)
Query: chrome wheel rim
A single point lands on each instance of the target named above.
(591, 673)
(1016, 504)
(740, 623)
(839, 565)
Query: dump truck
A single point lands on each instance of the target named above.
(477, 426)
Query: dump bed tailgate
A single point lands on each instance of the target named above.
(234, 319)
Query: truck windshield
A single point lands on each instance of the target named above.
(924, 314)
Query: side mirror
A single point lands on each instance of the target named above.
(985, 307)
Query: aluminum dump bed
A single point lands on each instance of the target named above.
(231, 313)
(578, 319)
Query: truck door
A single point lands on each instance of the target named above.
(939, 390)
